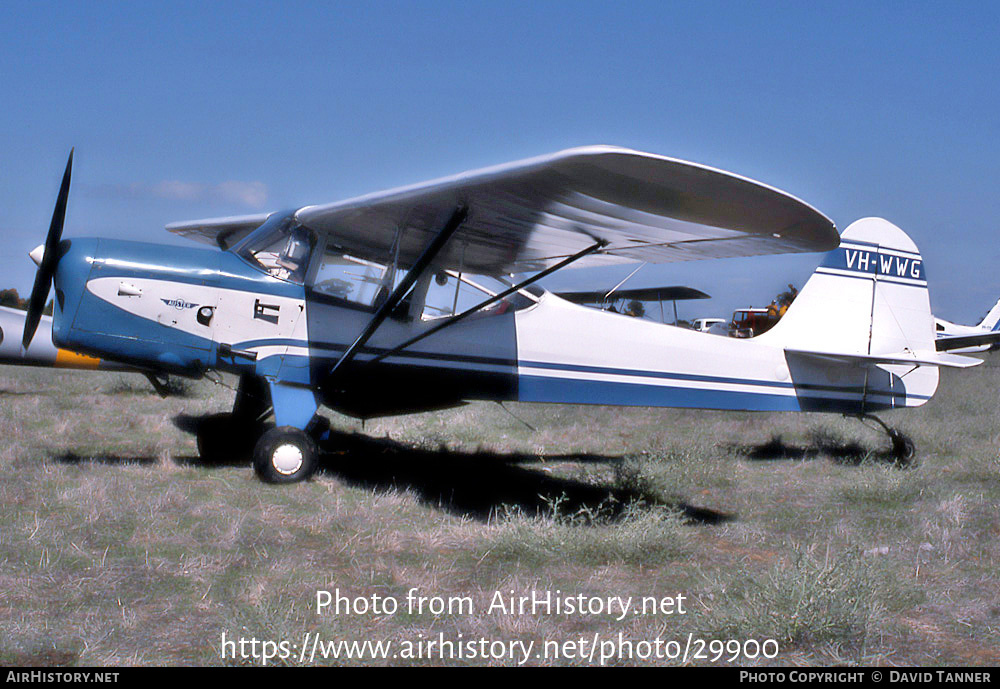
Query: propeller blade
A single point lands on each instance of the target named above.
(47, 267)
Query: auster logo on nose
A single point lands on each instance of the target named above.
(178, 304)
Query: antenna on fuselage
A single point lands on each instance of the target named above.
(627, 278)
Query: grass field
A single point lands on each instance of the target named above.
(118, 545)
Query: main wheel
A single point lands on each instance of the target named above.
(903, 449)
(285, 455)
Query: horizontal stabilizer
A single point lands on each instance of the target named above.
(906, 358)
(948, 343)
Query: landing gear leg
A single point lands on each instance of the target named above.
(288, 453)
(253, 399)
(903, 449)
(231, 437)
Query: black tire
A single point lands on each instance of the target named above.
(285, 455)
(224, 438)
(904, 452)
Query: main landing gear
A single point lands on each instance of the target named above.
(230, 438)
(903, 450)
(282, 454)
(285, 455)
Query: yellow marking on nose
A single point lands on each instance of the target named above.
(68, 359)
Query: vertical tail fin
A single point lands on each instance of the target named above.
(992, 320)
(868, 302)
(869, 296)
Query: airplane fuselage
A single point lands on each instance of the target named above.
(188, 310)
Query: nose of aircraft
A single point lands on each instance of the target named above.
(37, 254)
(74, 259)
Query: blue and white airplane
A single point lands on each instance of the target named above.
(328, 305)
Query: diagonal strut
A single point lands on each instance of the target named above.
(429, 254)
(483, 304)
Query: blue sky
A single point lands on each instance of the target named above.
(186, 110)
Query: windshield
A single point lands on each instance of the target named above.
(281, 247)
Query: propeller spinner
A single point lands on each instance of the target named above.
(49, 259)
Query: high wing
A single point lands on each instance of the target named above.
(530, 214)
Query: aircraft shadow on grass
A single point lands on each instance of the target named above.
(478, 484)
(851, 453)
(76, 459)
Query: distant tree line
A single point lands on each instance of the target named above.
(10, 297)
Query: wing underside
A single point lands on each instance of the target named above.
(672, 293)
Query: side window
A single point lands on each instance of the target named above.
(350, 278)
(451, 293)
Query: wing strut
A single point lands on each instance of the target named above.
(483, 304)
(429, 254)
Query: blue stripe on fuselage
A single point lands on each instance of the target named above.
(446, 360)
(573, 391)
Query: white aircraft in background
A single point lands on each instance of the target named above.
(969, 338)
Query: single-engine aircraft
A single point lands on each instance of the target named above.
(42, 352)
(962, 339)
(325, 305)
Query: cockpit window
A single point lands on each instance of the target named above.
(353, 279)
(282, 248)
(452, 292)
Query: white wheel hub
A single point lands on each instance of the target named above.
(287, 459)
